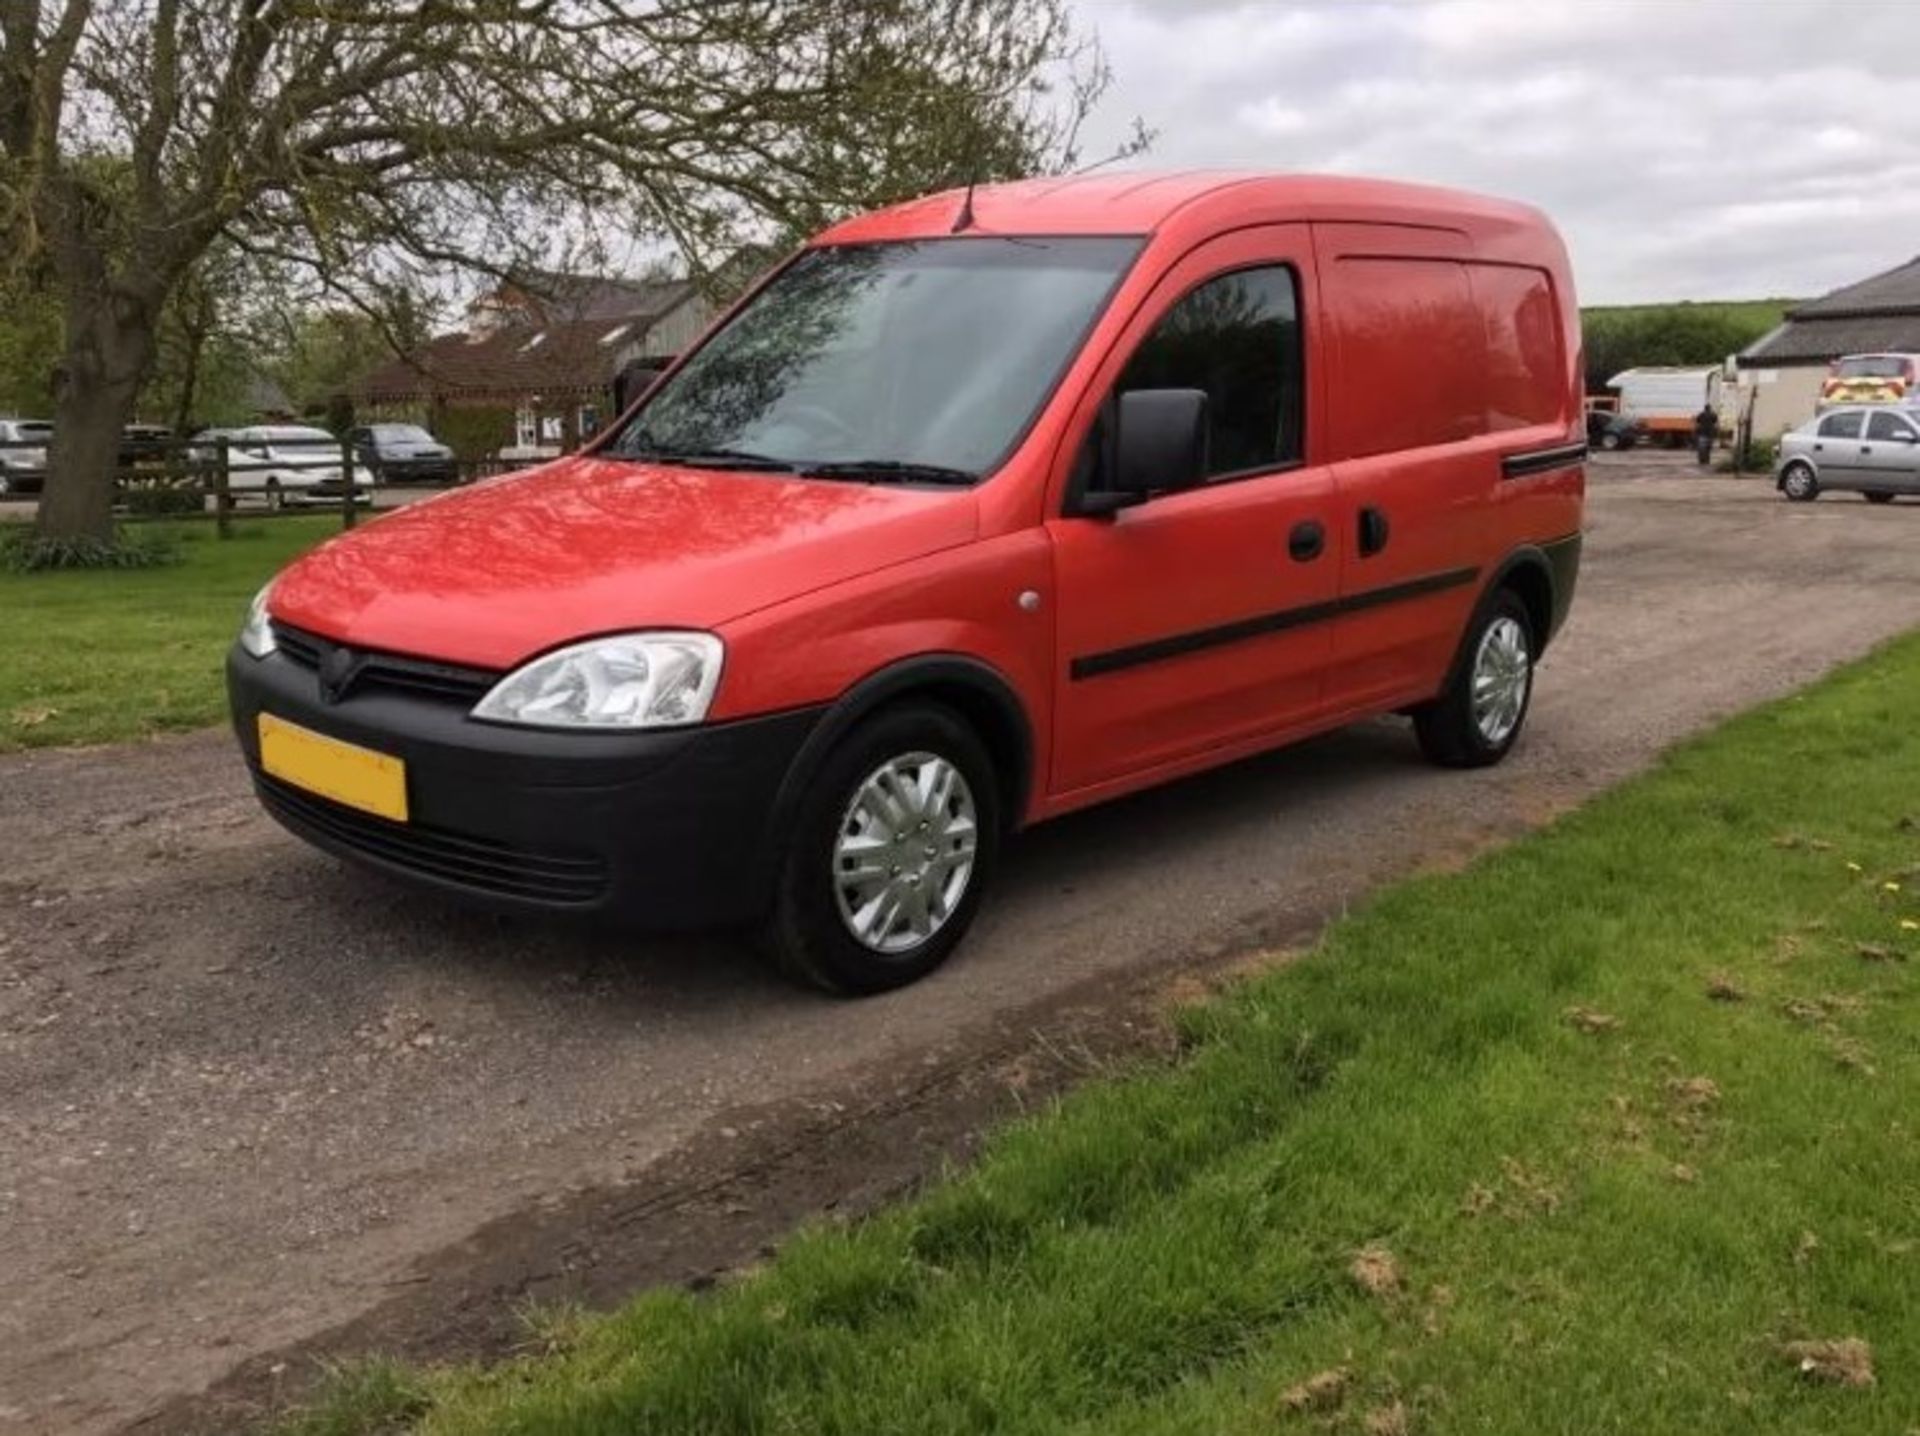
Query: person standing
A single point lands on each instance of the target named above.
(1706, 428)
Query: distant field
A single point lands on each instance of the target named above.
(1624, 336)
(1760, 315)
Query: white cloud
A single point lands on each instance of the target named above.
(1687, 148)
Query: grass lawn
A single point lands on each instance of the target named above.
(91, 657)
(1616, 1131)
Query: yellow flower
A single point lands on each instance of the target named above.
(1890, 887)
(1907, 924)
(1855, 868)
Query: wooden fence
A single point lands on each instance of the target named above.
(212, 479)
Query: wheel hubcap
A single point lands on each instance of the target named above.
(1502, 671)
(904, 853)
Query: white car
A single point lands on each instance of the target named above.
(23, 455)
(281, 462)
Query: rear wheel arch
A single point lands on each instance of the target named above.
(1528, 574)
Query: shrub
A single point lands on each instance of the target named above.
(154, 500)
(24, 551)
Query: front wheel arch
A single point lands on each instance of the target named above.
(975, 691)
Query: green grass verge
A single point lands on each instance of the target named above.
(96, 655)
(1622, 1112)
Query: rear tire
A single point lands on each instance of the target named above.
(1879, 496)
(877, 850)
(1609, 440)
(1798, 483)
(1475, 722)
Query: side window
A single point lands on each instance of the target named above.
(1841, 426)
(1238, 338)
(1888, 426)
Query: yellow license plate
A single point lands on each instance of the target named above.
(345, 772)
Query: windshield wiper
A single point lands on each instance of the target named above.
(712, 459)
(885, 470)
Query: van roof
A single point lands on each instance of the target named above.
(1131, 202)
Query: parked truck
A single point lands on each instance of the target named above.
(1663, 399)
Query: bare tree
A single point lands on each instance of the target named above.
(371, 146)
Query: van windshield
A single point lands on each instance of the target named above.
(917, 359)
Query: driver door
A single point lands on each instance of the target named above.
(1890, 454)
(1195, 621)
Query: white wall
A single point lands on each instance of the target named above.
(1782, 398)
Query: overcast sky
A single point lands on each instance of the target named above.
(1686, 148)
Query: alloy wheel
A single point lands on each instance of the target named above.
(1502, 673)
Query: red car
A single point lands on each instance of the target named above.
(977, 510)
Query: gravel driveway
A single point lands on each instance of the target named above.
(247, 1095)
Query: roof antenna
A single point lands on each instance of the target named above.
(964, 219)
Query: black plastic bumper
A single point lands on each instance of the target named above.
(1563, 559)
(661, 830)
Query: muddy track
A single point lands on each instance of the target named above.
(254, 1106)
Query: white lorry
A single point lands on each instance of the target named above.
(1663, 399)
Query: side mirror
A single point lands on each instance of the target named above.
(1159, 446)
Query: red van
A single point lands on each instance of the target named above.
(977, 510)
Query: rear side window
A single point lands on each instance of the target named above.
(1527, 378)
(1238, 338)
(1412, 355)
(1840, 426)
(1888, 426)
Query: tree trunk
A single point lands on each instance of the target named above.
(110, 346)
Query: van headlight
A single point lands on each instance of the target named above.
(631, 680)
(256, 634)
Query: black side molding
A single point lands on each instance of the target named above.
(1174, 645)
(1540, 461)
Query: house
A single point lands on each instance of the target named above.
(533, 371)
(1780, 373)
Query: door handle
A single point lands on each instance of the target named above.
(1373, 532)
(1866, 448)
(1307, 541)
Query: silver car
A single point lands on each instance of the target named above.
(1867, 449)
(23, 455)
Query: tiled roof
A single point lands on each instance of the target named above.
(576, 356)
(561, 297)
(1877, 315)
(1816, 341)
(1897, 291)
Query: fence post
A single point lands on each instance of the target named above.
(349, 515)
(222, 490)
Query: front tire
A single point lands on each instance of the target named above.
(1797, 482)
(893, 846)
(1879, 496)
(276, 498)
(1609, 440)
(1475, 722)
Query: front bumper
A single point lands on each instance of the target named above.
(417, 471)
(662, 830)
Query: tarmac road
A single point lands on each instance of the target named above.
(247, 1094)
